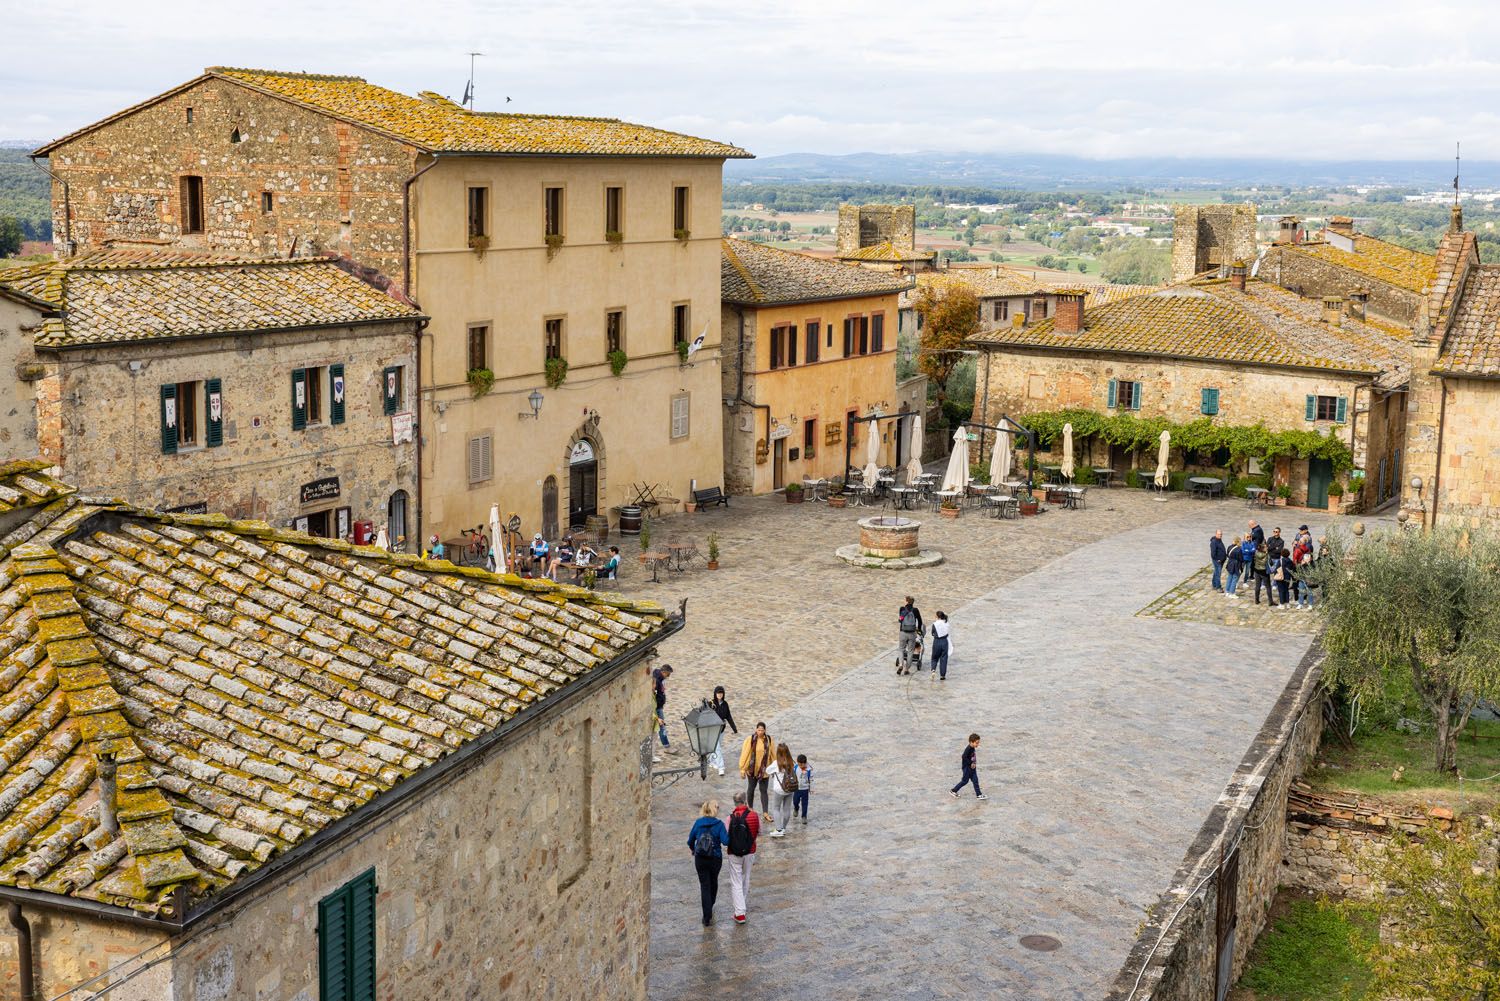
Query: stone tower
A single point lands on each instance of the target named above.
(1211, 236)
(869, 225)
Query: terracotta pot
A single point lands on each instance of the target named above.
(1029, 510)
(948, 512)
(689, 506)
(713, 564)
(794, 496)
(838, 501)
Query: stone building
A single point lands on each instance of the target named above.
(811, 345)
(569, 264)
(273, 389)
(1240, 352)
(881, 237)
(242, 762)
(1209, 237)
(20, 314)
(1007, 296)
(1388, 280)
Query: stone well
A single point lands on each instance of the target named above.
(889, 543)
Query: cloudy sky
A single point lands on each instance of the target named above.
(1374, 79)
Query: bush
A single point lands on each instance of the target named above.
(557, 372)
(1177, 481)
(617, 360)
(1084, 476)
(1133, 478)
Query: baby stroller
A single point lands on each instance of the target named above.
(916, 656)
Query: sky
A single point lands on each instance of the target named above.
(1323, 79)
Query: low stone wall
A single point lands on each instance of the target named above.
(1330, 836)
(1175, 956)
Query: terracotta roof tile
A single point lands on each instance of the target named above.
(1472, 344)
(756, 274)
(1375, 258)
(889, 252)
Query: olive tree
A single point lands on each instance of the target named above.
(1417, 613)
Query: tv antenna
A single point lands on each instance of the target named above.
(469, 87)
(1456, 147)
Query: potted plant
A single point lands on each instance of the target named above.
(480, 381)
(617, 360)
(1335, 495)
(681, 234)
(836, 498)
(950, 507)
(682, 352)
(557, 371)
(614, 236)
(793, 493)
(479, 244)
(554, 244)
(690, 505)
(713, 550)
(1028, 504)
(1284, 495)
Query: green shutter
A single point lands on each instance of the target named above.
(299, 399)
(1114, 393)
(169, 419)
(213, 406)
(333, 947)
(337, 389)
(362, 938)
(1312, 407)
(1210, 403)
(1135, 396)
(1343, 410)
(388, 388)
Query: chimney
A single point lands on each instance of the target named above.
(1455, 219)
(1333, 309)
(108, 819)
(1237, 276)
(1358, 299)
(1342, 225)
(1067, 317)
(1288, 233)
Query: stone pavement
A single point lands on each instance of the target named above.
(1195, 600)
(1108, 736)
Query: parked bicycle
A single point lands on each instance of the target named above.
(476, 550)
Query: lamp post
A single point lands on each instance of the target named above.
(704, 728)
(534, 398)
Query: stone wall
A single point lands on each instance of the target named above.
(100, 411)
(333, 186)
(17, 402)
(1313, 277)
(1468, 473)
(1330, 838)
(1174, 958)
(868, 225)
(1207, 236)
(71, 949)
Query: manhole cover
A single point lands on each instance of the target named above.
(1040, 943)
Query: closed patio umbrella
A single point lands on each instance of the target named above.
(956, 477)
(914, 464)
(382, 541)
(495, 538)
(1067, 463)
(1161, 478)
(1000, 458)
(872, 455)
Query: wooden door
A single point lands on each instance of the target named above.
(1319, 476)
(549, 508)
(583, 492)
(778, 464)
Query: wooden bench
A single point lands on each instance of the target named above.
(711, 496)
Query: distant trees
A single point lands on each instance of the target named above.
(10, 236)
(1135, 261)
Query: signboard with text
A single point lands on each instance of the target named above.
(324, 489)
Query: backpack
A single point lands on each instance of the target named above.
(740, 841)
(789, 780)
(908, 619)
(705, 843)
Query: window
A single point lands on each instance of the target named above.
(552, 199)
(680, 211)
(849, 327)
(314, 395)
(1039, 308)
(778, 335)
(791, 344)
(680, 322)
(680, 416)
(809, 437)
(479, 346)
(346, 941)
(192, 204)
(813, 336)
(864, 335)
(236, 136)
(1210, 402)
(187, 415)
(479, 213)
(1002, 310)
(190, 116)
(393, 388)
(552, 338)
(614, 213)
(1327, 408)
(877, 332)
(1124, 394)
(267, 201)
(830, 336)
(998, 310)
(481, 466)
(192, 414)
(614, 331)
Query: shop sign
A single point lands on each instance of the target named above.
(783, 431)
(199, 508)
(583, 451)
(318, 490)
(403, 426)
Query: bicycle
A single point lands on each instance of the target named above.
(476, 547)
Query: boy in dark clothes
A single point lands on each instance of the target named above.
(970, 764)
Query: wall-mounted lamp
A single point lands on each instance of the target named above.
(535, 399)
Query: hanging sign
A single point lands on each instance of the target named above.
(324, 489)
(582, 452)
(778, 433)
(403, 427)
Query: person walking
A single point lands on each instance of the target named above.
(755, 758)
(909, 623)
(1217, 555)
(707, 841)
(721, 706)
(783, 778)
(804, 788)
(1260, 566)
(939, 661)
(1282, 574)
(659, 689)
(969, 762)
(744, 831)
(1234, 565)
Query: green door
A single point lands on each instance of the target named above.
(1319, 475)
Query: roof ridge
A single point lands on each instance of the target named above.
(293, 74)
(739, 266)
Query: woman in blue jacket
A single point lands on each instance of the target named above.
(707, 841)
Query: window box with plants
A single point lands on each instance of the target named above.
(793, 493)
(614, 236)
(554, 244)
(681, 235)
(557, 372)
(479, 243)
(480, 381)
(682, 352)
(617, 361)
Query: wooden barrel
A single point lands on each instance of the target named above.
(598, 527)
(630, 519)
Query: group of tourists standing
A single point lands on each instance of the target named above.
(1284, 572)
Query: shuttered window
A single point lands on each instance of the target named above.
(346, 941)
(1327, 408)
(1124, 394)
(336, 394)
(813, 336)
(849, 336)
(791, 344)
(1210, 404)
(169, 419)
(680, 415)
(299, 399)
(877, 332)
(777, 336)
(391, 388)
(213, 398)
(481, 466)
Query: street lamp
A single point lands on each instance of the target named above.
(535, 399)
(704, 728)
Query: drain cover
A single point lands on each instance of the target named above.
(1040, 943)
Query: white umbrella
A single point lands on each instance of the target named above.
(1161, 460)
(914, 464)
(957, 475)
(495, 538)
(872, 456)
(1067, 463)
(382, 541)
(1000, 458)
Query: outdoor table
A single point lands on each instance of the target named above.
(1007, 507)
(657, 561)
(938, 496)
(1257, 495)
(1205, 486)
(904, 497)
(1054, 473)
(1013, 485)
(682, 553)
(1072, 497)
(815, 488)
(1104, 475)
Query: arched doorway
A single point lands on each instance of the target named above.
(549, 508)
(583, 483)
(395, 522)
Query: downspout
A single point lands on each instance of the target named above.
(26, 974)
(67, 208)
(417, 527)
(406, 228)
(739, 390)
(1437, 472)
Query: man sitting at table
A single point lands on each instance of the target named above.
(610, 570)
(539, 549)
(561, 556)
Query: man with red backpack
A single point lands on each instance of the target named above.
(744, 828)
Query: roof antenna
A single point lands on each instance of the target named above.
(469, 87)
(1455, 172)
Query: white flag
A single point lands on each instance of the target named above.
(698, 342)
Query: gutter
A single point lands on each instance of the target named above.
(992, 345)
(421, 319)
(67, 206)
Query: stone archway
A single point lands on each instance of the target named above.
(586, 439)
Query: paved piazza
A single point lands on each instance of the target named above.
(1115, 704)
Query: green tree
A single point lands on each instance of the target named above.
(1083, 267)
(1444, 899)
(950, 316)
(10, 236)
(1135, 261)
(1417, 613)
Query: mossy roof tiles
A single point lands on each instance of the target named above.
(116, 296)
(755, 274)
(888, 252)
(1375, 258)
(1472, 344)
(1002, 283)
(253, 685)
(1209, 320)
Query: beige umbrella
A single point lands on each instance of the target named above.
(382, 541)
(1067, 463)
(872, 455)
(495, 538)
(1000, 458)
(956, 477)
(1161, 460)
(914, 464)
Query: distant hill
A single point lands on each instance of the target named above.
(25, 193)
(1037, 171)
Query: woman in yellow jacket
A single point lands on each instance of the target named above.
(755, 757)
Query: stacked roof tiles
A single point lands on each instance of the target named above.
(1472, 344)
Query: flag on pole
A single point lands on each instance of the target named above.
(698, 342)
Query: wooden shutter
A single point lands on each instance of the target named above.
(791, 345)
(1343, 409)
(362, 938)
(1210, 401)
(812, 343)
(337, 390)
(680, 412)
(346, 941)
(1312, 407)
(299, 399)
(1135, 396)
(480, 458)
(333, 947)
(776, 333)
(877, 332)
(213, 406)
(848, 336)
(1114, 393)
(169, 419)
(388, 380)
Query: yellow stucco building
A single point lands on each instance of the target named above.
(809, 344)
